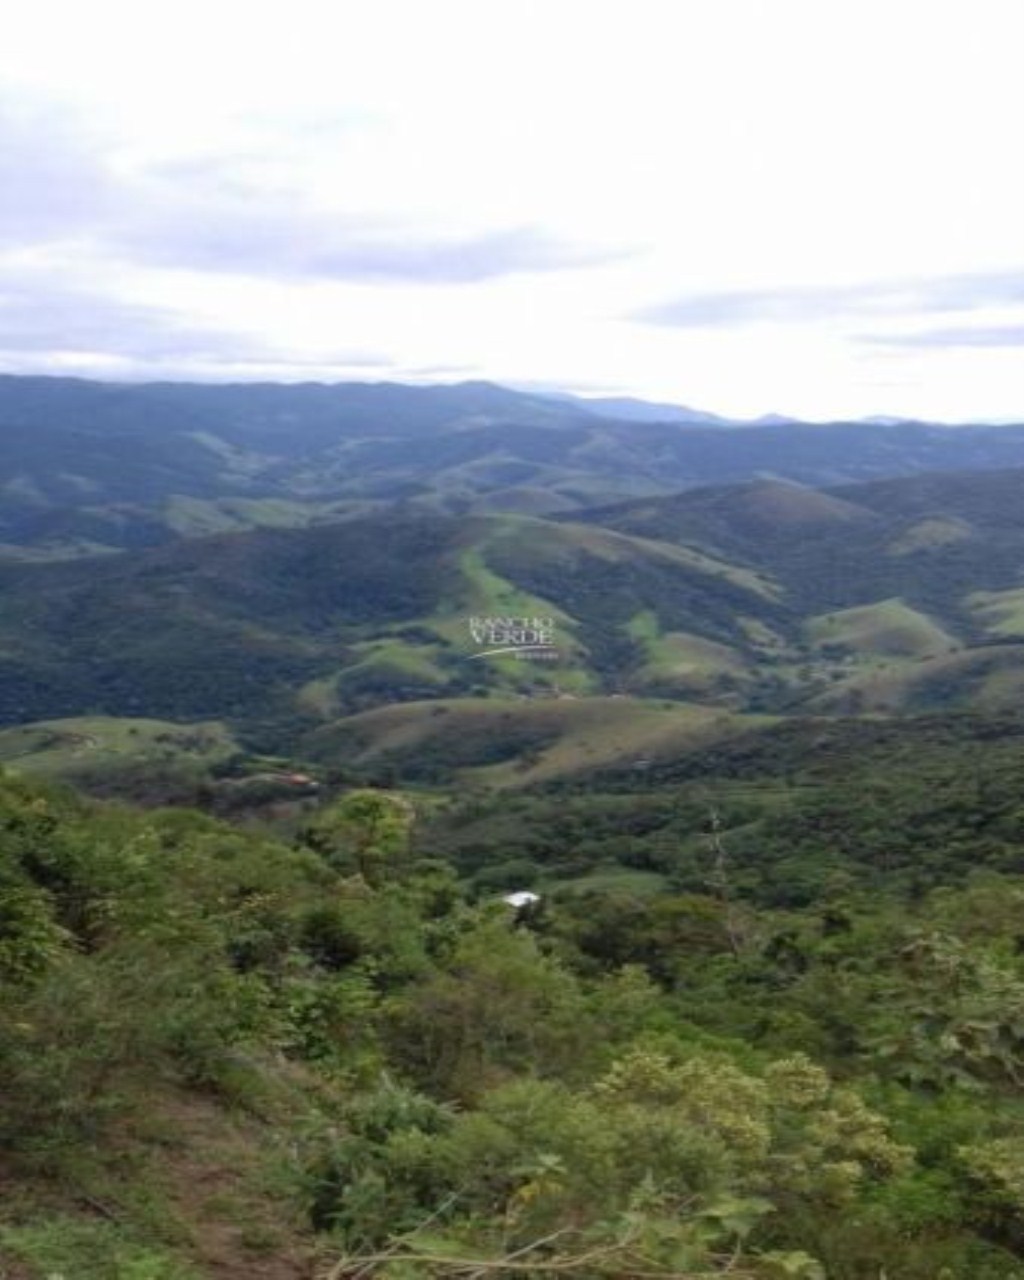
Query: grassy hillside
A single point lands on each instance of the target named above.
(914, 537)
(769, 598)
(987, 678)
(58, 748)
(1001, 613)
(805, 806)
(317, 622)
(503, 743)
(677, 662)
(888, 629)
(88, 466)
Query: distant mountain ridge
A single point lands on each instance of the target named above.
(632, 409)
(87, 467)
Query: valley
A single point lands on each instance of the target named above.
(761, 599)
(684, 942)
(92, 467)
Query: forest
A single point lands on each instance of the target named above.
(329, 951)
(233, 1052)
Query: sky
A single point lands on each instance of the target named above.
(806, 207)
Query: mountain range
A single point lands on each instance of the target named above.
(88, 467)
(688, 613)
(506, 775)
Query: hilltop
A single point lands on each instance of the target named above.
(764, 785)
(765, 598)
(88, 467)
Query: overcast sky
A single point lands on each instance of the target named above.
(812, 207)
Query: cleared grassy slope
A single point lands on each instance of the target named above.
(513, 742)
(1001, 613)
(887, 629)
(988, 678)
(340, 617)
(58, 747)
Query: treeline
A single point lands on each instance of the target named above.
(893, 807)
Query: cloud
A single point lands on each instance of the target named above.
(42, 316)
(972, 292)
(53, 184)
(310, 245)
(38, 315)
(234, 214)
(984, 336)
(803, 305)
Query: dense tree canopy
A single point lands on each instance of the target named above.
(604, 1086)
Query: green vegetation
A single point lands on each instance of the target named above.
(677, 663)
(933, 532)
(90, 466)
(60, 748)
(894, 807)
(513, 742)
(888, 629)
(989, 678)
(765, 1017)
(767, 599)
(1000, 612)
(635, 1075)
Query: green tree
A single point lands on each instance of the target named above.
(366, 833)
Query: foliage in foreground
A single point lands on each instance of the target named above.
(697, 1087)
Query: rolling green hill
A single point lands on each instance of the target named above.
(808, 806)
(768, 598)
(313, 623)
(929, 540)
(1001, 613)
(516, 742)
(764, 774)
(989, 677)
(88, 466)
(888, 629)
(732, 597)
(60, 747)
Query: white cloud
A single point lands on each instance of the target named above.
(500, 185)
